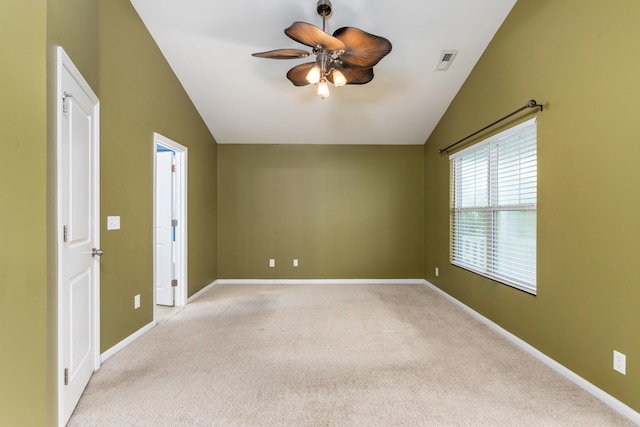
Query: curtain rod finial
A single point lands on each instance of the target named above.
(532, 103)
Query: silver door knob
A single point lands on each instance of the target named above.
(96, 252)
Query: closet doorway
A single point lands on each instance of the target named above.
(170, 225)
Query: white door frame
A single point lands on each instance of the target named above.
(181, 214)
(64, 64)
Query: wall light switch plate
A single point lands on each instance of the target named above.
(272, 262)
(136, 301)
(113, 223)
(295, 262)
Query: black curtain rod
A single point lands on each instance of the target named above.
(531, 104)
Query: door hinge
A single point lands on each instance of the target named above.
(66, 376)
(174, 222)
(65, 95)
(174, 283)
(174, 168)
(65, 237)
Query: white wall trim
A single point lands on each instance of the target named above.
(320, 281)
(202, 292)
(140, 332)
(303, 282)
(125, 342)
(600, 394)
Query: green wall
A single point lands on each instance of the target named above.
(23, 186)
(140, 95)
(344, 211)
(581, 59)
(29, 32)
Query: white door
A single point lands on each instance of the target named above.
(78, 220)
(175, 203)
(164, 264)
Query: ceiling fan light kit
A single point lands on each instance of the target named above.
(346, 57)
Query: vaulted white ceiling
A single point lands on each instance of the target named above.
(248, 100)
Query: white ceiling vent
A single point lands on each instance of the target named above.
(445, 60)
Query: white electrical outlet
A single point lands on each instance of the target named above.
(295, 262)
(620, 362)
(272, 262)
(136, 301)
(437, 271)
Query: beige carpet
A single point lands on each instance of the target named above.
(330, 355)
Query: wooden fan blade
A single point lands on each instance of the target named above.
(362, 49)
(282, 54)
(354, 75)
(313, 36)
(298, 74)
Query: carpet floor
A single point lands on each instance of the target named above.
(330, 355)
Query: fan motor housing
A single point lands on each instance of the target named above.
(324, 7)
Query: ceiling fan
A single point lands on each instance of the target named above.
(346, 57)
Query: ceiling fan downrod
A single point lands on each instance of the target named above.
(324, 10)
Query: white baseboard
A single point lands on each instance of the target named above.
(125, 342)
(140, 332)
(320, 281)
(600, 394)
(202, 291)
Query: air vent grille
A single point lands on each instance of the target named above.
(445, 60)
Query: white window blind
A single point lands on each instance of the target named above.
(494, 200)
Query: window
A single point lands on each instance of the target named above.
(493, 207)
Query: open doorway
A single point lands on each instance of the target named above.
(170, 226)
